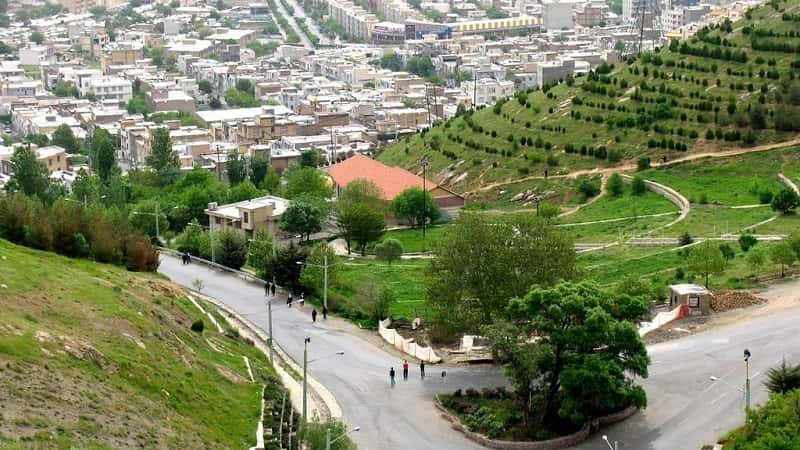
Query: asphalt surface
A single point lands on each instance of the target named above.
(686, 408)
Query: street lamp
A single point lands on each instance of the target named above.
(329, 442)
(306, 362)
(323, 266)
(269, 327)
(746, 380)
(424, 163)
(156, 214)
(538, 199)
(85, 200)
(614, 447)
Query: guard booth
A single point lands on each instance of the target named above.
(697, 297)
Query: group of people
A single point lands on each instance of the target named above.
(405, 372)
(187, 258)
(269, 291)
(324, 314)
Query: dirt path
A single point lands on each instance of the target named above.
(631, 166)
(785, 180)
(573, 210)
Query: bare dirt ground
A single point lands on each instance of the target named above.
(780, 296)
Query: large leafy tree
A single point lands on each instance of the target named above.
(706, 259)
(65, 138)
(285, 268)
(230, 248)
(389, 250)
(309, 181)
(415, 206)
(105, 155)
(163, 159)
(361, 191)
(260, 252)
(303, 218)
(360, 223)
(258, 169)
(783, 254)
(586, 350)
(313, 274)
(481, 263)
(236, 166)
(785, 201)
(29, 174)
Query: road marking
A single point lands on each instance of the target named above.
(719, 398)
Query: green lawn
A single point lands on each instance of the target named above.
(727, 181)
(139, 376)
(626, 205)
(412, 238)
(403, 278)
(612, 231)
(781, 225)
(710, 221)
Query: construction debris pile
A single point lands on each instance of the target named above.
(727, 300)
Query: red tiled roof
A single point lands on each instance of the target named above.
(391, 180)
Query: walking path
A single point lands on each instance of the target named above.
(632, 167)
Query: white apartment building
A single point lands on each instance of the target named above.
(19, 87)
(557, 14)
(108, 88)
(488, 90)
(356, 22)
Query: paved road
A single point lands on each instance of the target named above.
(686, 409)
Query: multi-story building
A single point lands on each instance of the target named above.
(355, 21)
(557, 14)
(589, 14)
(169, 100)
(248, 217)
(488, 90)
(53, 157)
(121, 53)
(20, 87)
(108, 88)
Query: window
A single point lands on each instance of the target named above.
(246, 217)
(217, 220)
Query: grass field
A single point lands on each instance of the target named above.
(711, 221)
(92, 356)
(626, 205)
(612, 231)
(781, 225)
(412, 238)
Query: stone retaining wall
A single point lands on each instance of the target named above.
(550, 444)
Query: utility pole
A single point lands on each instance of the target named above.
(325, 277)
(424, 164)
(746, 380)
(475, 90)
(219, 172)
(305, 380)
(269, 317)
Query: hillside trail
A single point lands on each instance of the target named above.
(630, 167)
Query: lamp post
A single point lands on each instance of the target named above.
(329, 442)
(156, 214)
(324, 266)
(269, 324)
(746, 380)
(538, 199)
(424, 163)
(306, 362)
(614, 447)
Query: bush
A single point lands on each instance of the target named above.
(615, 186)
(588, 188)
(638, 186)
(643, 163)
(685, 239)
(198, 326)
(747, 241)
(552, 160)
(765, 197)
(727, 252)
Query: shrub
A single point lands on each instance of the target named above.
(765, 197)
(643, 163)
(588, 188)
(679, 273)
(747, 241)
(615, 185)
(638, 186)
(198, 326)
(552, 160)
(727, 252)
(685, 239)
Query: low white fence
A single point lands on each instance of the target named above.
(408, 346)
(662, 318)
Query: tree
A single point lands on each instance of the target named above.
(392, 61)
(303, 218)
(706, 259)
(309, 181)
(214, 103)
(481, 263)
(785, 201)
(195, 241)
(235, 97)
(260, 252)
(770, 427)
(258, 169)
(360, 223)
(638, 186)
(65, 138)
(361, 191)
(389, 250)
(163, 159)
(138, 105)
(29, 175)
(756, 259)
(421, 66)
(105, 155)
(309, 158)
(236, 166)
(313, 275)
(615, 185)
(588, 188)
(587, 350)
(205, 87)
(747, 241)
(783, 254)
(315, 435)
(37, 37)
(284, 268)
(416, 207)
(727, 251)
(782, 379)
(230, 248)
(66, 89)
(243, 191)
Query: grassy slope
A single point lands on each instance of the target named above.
(554, 111)
(153, 382)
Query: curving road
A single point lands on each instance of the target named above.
(686, 409)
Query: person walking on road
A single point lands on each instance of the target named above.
(405, 370)
(422, 369)
(289, 301)
(324, 312)
(391, 377)
(273, 289)
(266, 289)
(314, 315)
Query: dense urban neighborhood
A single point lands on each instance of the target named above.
(400, 224)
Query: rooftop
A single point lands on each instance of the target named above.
(391, 180)
(231, 211)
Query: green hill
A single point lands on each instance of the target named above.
(731, 86)
(95, 357)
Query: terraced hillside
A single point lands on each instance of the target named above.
(731, 86)
(95, 357)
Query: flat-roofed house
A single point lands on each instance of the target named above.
(249, 216)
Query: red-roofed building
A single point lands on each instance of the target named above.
(391, 180)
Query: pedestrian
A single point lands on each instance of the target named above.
(314, 315)
(289, 301)
(422, 369)
(188, 257)
(266, 289)
(324, 312)
(405, 370)
(273, 289)
(391, 377)
(545, 174)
